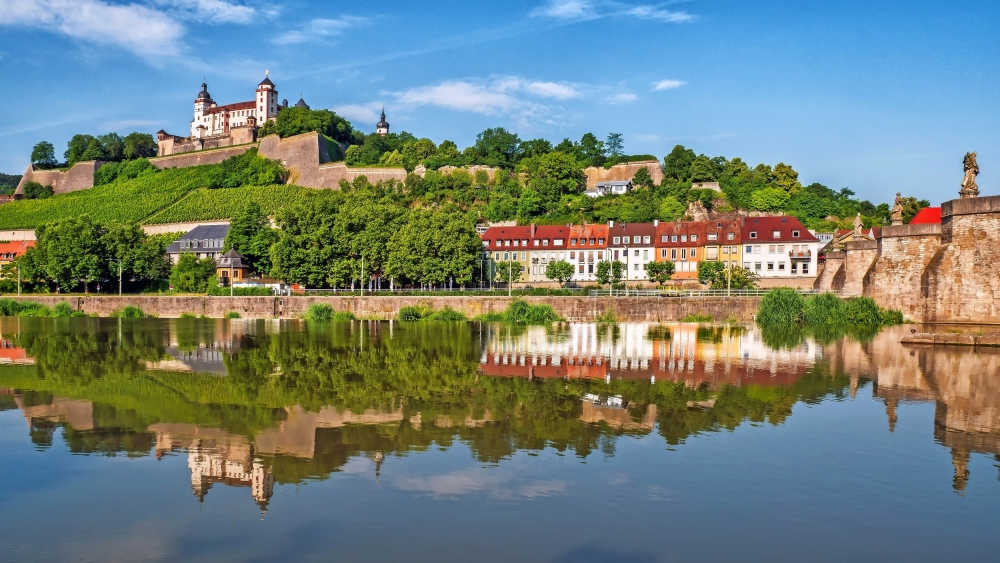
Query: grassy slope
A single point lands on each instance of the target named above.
(126, 201)
(204, 205)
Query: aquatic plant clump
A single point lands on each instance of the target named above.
(130, 312)
(326, 313)
(14, 308)
(522, 312)
(787, 307)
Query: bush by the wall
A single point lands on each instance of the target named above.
(787, 307)
(781, 307)
(130, 312)
(521, 312)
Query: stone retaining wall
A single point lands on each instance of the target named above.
(196, 158)
(622, 172)
(79, 177)
(894, 281)
(626, 309)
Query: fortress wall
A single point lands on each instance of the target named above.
(903, 254)
(306, 159)
(622, 172)
(445, 170)
(79, 177)
(834, 267)
(196, 158)
(860, 254)
(962, 279)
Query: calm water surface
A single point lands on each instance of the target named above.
(206, 440)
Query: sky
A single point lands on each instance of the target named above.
(877, 95)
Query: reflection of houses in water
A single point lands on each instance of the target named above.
(964, 385)
(76, 413)
(11, 354)
(686, 353)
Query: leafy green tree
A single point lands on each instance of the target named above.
(642, 179)
(71, 251)
(912, 206)
(43, 155)
(591, 150)
(709, 272)
(112, 147)
(703, 169)
(251, 235)
(191, 275)
(94, 151)
(307, 248)
(677, 164)
(497, 147)
(535, 147)
(786, 178)
(529, 205)
(769, 199)
(507, 271)
(739, 278)
(615, 144)
(670, 209)
(138, 145)
(76, 147)
(295, 121)
(553, 175)
(143, 258)
(660, 272)
(34, 190)
(610, 272)
(560, 271)
(434, 248)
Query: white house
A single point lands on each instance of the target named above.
(779, 247)
(613, 187)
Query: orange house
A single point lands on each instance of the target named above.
(682, 243)
(587, 247)
(10, 251)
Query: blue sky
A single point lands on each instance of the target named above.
(877, 95)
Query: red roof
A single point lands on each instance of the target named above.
(764, 228)
(17, 248)
(927, 216)
(231, 107)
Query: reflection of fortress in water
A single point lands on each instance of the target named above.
(964, 387)
(687, 353)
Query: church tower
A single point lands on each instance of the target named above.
(202, 103)
(382, 128)
(267, 100)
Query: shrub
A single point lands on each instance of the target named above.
(63, 309)
(319, 312)
(608, 316)
(412, 313)
(781, 307)
(188, 316)
(344, 316)
(823, 309)
(447, 314)
(232, 315)
(521, 312)
(130, 312)
(697, 318)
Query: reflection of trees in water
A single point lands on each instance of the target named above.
(427, 372)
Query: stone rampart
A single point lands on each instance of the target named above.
(305, 156)
(79, 177)
(962, 279)
(904, 252)
(626, 309)
(622, 172)
(860, 255)
(196, 158)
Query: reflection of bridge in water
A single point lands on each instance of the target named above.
(688, 353)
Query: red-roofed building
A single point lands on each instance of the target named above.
(927, 216)
(587, 246)
(681, 243)
(506, 244)
(776, 247)
(548, 244)
(10, 251)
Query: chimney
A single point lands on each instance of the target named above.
(656, 222)
(532, 230)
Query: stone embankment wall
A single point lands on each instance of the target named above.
(962, 280)
(903, 254)
(79, 177)
(305, 156)
(213, 156)
(634, 309)
(622, 172)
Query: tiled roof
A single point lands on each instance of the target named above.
(927, 216)
(231, 107)
(765, 227)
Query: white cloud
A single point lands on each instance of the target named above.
(462, 96)
(582, 10)
(621, 98)
(143, 31)
(667, 84)
(320, 28)
(553, 90)
(360, 112)
(467, 482)
(210, 11)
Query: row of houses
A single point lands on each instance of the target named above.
(773, 247)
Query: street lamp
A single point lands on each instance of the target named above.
(119, 260)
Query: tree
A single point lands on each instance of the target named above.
(295, 121)
(71, 251)
(703, 169)
(591, 150)
(43, 155)
(552, 176)
(769, 199)
(497, 147)
(192, 275)
(709, 272)
(615, 144)
(76, 147)
(143, 258)
(112, 147)
(559, 270)
(535, 147)
(433, 248)
(34, 190)
(251, 235)
(139, 145)
(717, 276)
(670, 209)
(507, 272)
(677, 164)
(660, 272)
(94, 151)
(307, 248)
(786, 178)
(642, 179)
(610, 272)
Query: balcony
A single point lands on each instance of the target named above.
(800, 255)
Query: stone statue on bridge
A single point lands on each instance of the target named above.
(857, 228)
(969, 187)
(897, 210)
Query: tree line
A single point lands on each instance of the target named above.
(110, 147)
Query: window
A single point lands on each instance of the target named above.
(581, 268)
(591, 241)
(694, 238)
(600, 241)
(616, 240)
(663, 253)
(673, 238)
(572, 255)
(572, 242)
(756, 249)
(795, 234)
(645, 255)
(770, 266)
(558, 242)
(756, 266)
(673, 254)
(770, 249)
(663, 238)
(545, 242)
(636, 252)
(781, 266)
(497, 257)
(684, 238)
(711, 253)
(645, 240)
(776, 234)
(730, 236)
(524, 243)
(515, 243)
(694, 253)
(616, 254)
(626, 240)
(562, 255)
(636, 267)
(600, 256)
(712, 236)
(684, 254)
(753, 234)
(781, 249)
(506, 256)
(805, 268)
(524, 256)
(795, 267)
(749, 250)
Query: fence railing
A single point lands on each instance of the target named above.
(697, 292)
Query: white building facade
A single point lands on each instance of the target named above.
(212, 119)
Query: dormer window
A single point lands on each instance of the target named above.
(694, 238)
(795, 234)
(753, 234)
(626, 240)
(730, 236)
(777, 234)
(616, 240)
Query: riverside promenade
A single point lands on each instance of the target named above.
(576, 308)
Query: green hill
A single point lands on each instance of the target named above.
(206, 205)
